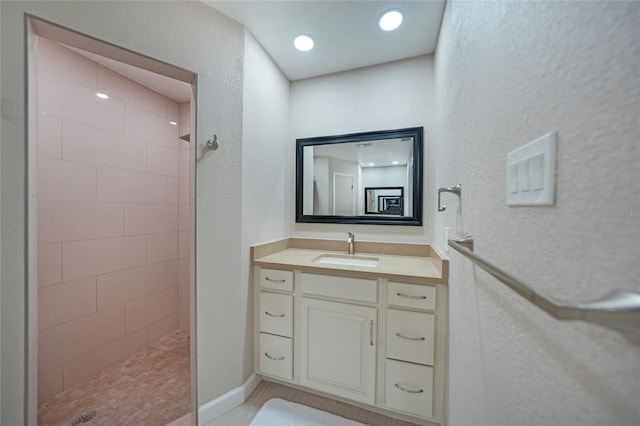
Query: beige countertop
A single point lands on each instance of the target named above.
(415, 263)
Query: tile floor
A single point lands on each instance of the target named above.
(150, 388)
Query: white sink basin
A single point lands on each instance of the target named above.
(351, 260)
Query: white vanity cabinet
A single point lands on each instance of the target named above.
(375, 338)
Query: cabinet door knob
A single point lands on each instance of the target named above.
(274, 358)
(407, 390)
(408, 296)
(274, 315)
(413, 339)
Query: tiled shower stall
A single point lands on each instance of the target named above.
(113, 214)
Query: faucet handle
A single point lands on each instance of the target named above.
(350, 236)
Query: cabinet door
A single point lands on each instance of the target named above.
(338, 350)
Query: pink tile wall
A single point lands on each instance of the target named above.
(49, 136)
(68, 100)
(95, 257)
(61, 303)
(173, 190)
(184, 217)
(66, 180)
(87, 144)
(85, 365)
(113, 218)
(49, 264)
(123, 286)
(78, 220)
(150, 309)
(129, 186)
(150, 218)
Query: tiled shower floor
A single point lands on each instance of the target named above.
(151, 387)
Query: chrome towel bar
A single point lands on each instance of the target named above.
(619, 310)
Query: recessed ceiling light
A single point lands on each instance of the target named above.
(102, 95)
(390, 20)
(173, 123)
(394, 162)
(372, 164)
(303, 42)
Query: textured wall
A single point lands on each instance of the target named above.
(266, 207)
(507, 73)
(383, 97)
(194, 37)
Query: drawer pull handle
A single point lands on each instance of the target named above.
(403, 389)
(413, 339)
(274, 358)
(408, 296)
(274, 315)
(271, 280)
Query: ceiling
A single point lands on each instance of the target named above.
(375, 153)
(174, 89)
(346, 32)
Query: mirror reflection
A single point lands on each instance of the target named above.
(385, 200)
(360, 178)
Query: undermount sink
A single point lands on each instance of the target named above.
(335, 259)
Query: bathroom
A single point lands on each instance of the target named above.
(502, 75)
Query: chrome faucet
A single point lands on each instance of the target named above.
(351, 239)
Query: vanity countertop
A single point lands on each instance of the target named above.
(415, 263)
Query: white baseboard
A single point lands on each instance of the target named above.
(208, 412)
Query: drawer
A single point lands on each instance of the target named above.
(276, 356)
(409, 388)
(412, 296)
(362, 289)
(410, 336)
(276, 314)
(276, 279)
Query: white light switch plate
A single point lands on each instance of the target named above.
(531, 173)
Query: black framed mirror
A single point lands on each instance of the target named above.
(363, 178)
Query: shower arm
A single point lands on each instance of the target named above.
(212, 145)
